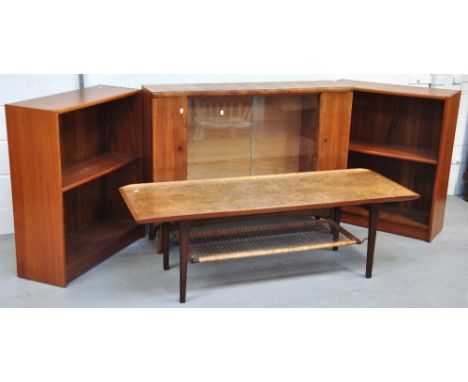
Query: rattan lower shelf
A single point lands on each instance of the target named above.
(236, 243)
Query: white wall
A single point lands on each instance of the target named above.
(19, 87)
(16, 88)
(460, 149)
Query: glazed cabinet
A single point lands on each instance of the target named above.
(211, 134)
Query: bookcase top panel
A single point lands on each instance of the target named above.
(403, 90)
(245, 88)
(77, 99)
(300, 87)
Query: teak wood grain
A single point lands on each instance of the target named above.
(333, 134)
(246, 88)
(400, 90)
(169, 138)
(77, 99)
(406, 135)
(97, 166)
(394, 151)
(37, 194)
(69, 155)
(214, 198)
(291, 87)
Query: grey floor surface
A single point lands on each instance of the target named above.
(407, 273)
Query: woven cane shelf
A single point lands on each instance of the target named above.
(236, 243)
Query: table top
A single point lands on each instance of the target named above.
(250, 195)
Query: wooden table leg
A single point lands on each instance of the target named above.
(184, 232)
(153, 228)
(374, 210)
(337, 219)
(159, 241)
(164, 234)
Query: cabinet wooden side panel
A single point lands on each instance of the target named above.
(147, 136)
(34, 148)
(334, 127)
(447, 137)
(169, 138)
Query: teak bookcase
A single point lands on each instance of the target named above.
(407, 134)
(69, 154)
(403, 132)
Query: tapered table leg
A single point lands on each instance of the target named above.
(153, 228)
(164, 234)
(374, 210)
(337, 219)
(184, 231)
(159, 241)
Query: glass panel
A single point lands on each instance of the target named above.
(245, 135)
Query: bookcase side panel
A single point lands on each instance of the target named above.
(34, 149)
(334, 127)
(447, 137)
(169, 138)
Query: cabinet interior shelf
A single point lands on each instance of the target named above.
(394, 151)
(93, 168)
(397, 214)
(94, 242)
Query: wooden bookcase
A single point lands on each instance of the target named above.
(404, 132)
(69, 154)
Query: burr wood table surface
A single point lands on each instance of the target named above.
(213, 198)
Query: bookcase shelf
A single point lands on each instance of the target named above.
(90, 169)
(96, 241)
(394, 151)
(393, 218)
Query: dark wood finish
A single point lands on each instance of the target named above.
(411, 123)
(447, 137)
(68, 161)
(372, 234)
(394, 219)
(337, 218)
(147, 136)
(394, 151)
(184, 235)
(408, 137)
(333, 139)
(242, 196)
(169, 138)
(165, 244)
(34, 149)
(152, 231)
(95, 242)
